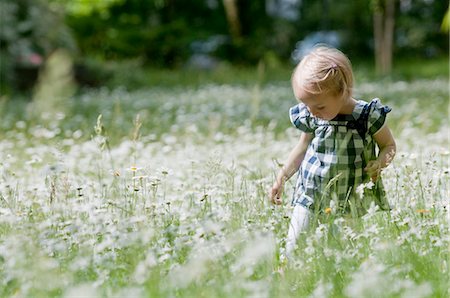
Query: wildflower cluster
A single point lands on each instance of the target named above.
(180, 208)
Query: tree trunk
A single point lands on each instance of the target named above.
(383, 26)
(378, 37)
(231, 10)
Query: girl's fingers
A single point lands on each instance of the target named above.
(275, 193)
(372, 167)
(373, 170)
(275, 196)
(277, 199)
(272, 194)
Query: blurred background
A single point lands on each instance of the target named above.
(141, 43)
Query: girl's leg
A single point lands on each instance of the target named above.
(299, 223)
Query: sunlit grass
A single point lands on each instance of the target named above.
(173, 203)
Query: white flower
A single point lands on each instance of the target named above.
(323, 289)
(83, 290)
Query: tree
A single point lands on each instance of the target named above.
(383, 27)
(232, 13)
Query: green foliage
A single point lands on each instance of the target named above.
(29, 31)
(173, 42)
(93, 72)
(159, 32)
(344, 17)
(445, 26)
(86, 7)
(418, 29)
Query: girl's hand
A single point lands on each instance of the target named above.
(373, 169)
(276, 192)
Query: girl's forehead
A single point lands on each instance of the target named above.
(313, 99)
(301, 93)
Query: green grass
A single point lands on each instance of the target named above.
(405, 69)
(173, 203)
(132, 76)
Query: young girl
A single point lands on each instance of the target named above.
(336, 150)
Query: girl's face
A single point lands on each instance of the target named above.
(324, 106)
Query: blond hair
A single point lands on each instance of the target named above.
(324, 70)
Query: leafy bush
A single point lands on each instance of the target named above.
(91, 72)
(29, 31)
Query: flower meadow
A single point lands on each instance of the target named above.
(163, 193)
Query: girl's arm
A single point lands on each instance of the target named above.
(291, 166)
(386, 144)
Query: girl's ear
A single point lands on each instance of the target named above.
(340, 93)
(345, 92)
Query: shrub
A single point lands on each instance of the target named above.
(29, 31)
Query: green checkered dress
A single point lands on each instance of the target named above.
(333, 165)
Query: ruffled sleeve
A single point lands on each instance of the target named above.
(377, 116)
(301, 118)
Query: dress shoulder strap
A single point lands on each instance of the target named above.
(360, 124)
